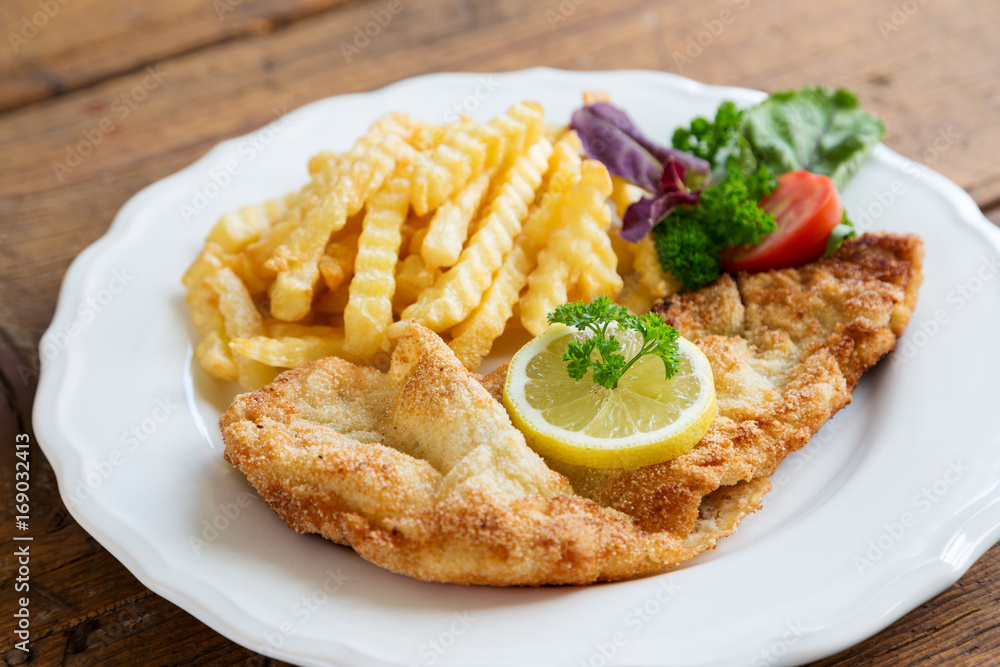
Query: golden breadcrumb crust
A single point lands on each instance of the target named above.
(421, 472)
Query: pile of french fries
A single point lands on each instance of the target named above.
(455, 226)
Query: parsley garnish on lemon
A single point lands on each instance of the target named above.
(606, 389)
(609, 364)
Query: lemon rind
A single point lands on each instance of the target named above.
(626, 452)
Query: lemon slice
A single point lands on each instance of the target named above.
(645, 420)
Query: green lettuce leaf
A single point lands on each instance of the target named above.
(824, 131)
(838, 235)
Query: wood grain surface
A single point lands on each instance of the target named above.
(104, 97)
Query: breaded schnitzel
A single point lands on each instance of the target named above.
(420, 470)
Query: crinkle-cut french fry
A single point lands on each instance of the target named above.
(426, 137)
(242, 320)
(261, 252)
(411, 228)
(414, 241)
(597, 265)
(489, 137)
(205, 315)
(369, 308)
(466, 142)
(600, 277)
(353, 176)
(555, 132)
(287, 351)
(212, 350)
(521, 126)
(213, 354)
(278, 329)
(473, 338)
(333, 303)
(209, 261)
(337, 264)
(327, 167)
(436, 176)
(460, 289)
(564, 164)
(275, 209)
(413, 276)
(563, 173)
(582, 239)
(624, 250)
(430, 182)
(578, 254)
(634, 295)
(525, 220)
(332, 272)
(624, 194)
(247, 272)
(455, 154)
(297, 260)
(449, 227)
(650, 271)
(235, 231)
(546, 290)
(370, 171)
(595, 96)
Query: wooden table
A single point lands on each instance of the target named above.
(151, 86)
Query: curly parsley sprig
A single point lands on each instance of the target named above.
(609, 365)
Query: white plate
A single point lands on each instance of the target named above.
(892, 501)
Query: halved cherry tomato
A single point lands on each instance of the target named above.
(806, 208)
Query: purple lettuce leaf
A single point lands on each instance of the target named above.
(672, 178)
(617, 118)
(608, 135)
(603, 140)
(643, 215)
